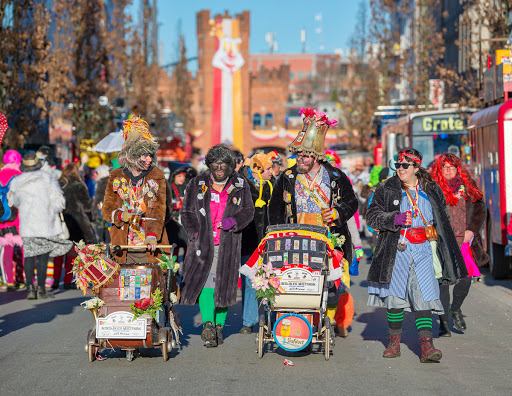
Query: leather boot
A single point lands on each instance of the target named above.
(31, 295)
(393, 349)
(220, 338)
(444, 328)
(429, 354)
(458, 320)
(341, 331)
(43, 294)
(209, 335)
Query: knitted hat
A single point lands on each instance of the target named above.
(258, 162)
(135, 127)
(311, 137)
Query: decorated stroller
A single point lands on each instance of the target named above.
(121, 287)
(304, 260)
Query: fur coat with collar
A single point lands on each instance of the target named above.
(196, 218)
(346, 205)
(39, 200)
(78, 205)
(381, 216)
(156, 212)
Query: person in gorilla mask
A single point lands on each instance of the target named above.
(216, 207)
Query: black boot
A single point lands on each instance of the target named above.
(43, 294)
(220, 338)
(444, 328)
(209, 335)
(31, 295)
(458, 320)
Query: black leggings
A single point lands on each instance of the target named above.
(41, 264)
(460, 291)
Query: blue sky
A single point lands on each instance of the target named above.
(284, 17)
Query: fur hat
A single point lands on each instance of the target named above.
(138, 141)
(12, 157)
(311, 137)
(30, 162)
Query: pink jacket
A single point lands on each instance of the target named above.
(7, 173)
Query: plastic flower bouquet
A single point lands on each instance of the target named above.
(148, 306)
(266, 284)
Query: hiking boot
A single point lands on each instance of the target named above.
(31, 295)
(220, 338)
(429, 354)
(43, 294)
(458, 320)
(444, 328)
(208, 335)
(246, 330)
(393, 349)
(341, 331)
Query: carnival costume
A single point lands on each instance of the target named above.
(403, 275)
(300, 198)
(136, 205)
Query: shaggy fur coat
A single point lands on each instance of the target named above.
(78, 205)
(381, 216)
(196, 218)
(39, 200)
(346, 206)
(112, 207)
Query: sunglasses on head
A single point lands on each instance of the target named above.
(404, 165)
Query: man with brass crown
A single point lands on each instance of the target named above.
(135, 198)
(313, 191)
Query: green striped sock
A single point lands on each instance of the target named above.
(424, 322)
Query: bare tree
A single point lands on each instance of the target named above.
(24, 55)
(183, 100)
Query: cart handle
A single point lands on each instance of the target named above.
(120, 247)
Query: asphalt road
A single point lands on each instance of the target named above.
(42, 352)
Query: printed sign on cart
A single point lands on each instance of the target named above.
(298, 279)
(121, 325)
(292, 332)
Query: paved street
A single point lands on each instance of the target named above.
(42, 352)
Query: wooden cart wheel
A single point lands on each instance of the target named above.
(261, 341)
(327, 342)
(90, 352)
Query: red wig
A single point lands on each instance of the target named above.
(472, 190)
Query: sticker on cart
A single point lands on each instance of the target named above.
(120, 325)
(292, 332)
(296, 258)
(318, 260)
(298, 279)
(273, 259)
(288, 244)
(305, 258)
(313, 245)
(278, 246)
(305, 244)
(285, 258)
(296, 244)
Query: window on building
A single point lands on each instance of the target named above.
(256, 121)
(308, 75)
(343, 70)
(292, 75)
(269, 120)
(301, 75)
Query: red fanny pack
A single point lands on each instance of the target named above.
(415, 235)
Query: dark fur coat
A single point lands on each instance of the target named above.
(346, 206)
(77, 211)
(196, 219)
(381, 216)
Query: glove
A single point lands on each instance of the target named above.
(401, 219)
(150, 240)
(359, 253)
(126, 215)
(228, 223)
(354, 267)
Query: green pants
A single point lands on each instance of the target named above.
(207, 308)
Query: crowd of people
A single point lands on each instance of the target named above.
(420, 221)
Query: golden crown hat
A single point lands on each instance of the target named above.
(135, 126)
(311, 137)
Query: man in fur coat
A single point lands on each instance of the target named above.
(313, 191)
(216, 207)
(135, 198)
